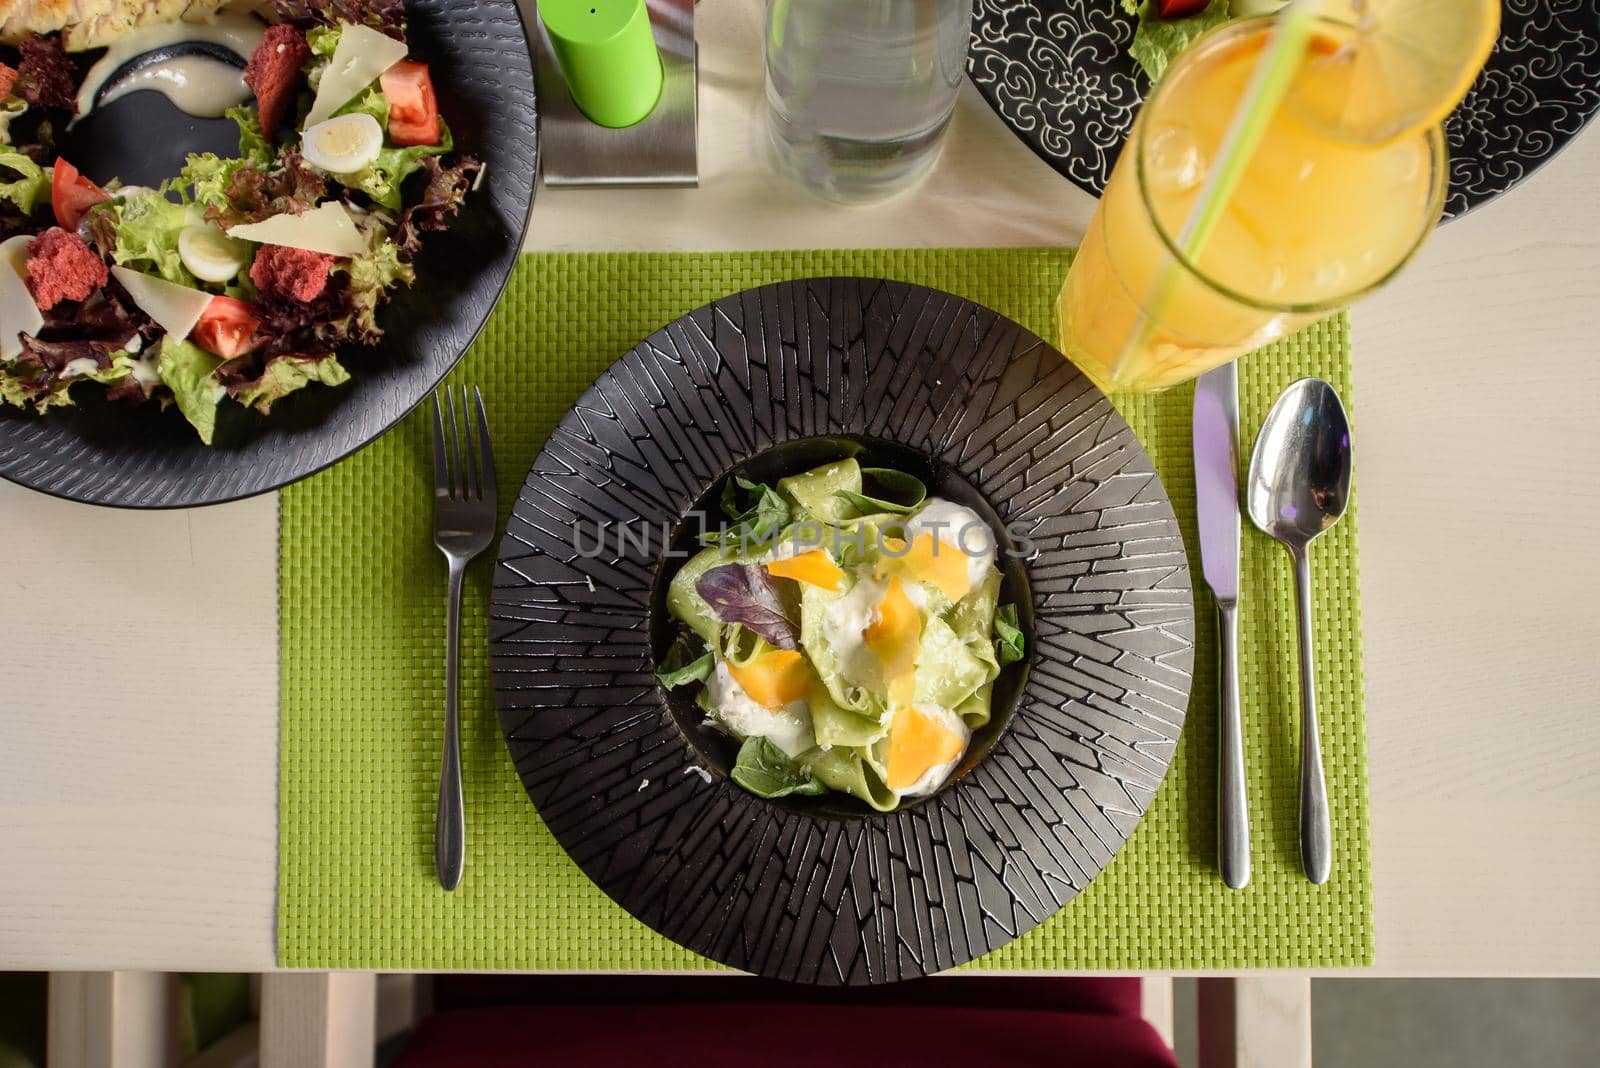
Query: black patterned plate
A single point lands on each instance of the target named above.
(106, 453)
(1058, 73)
(819, 890)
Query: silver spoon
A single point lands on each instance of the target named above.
(1299, 484)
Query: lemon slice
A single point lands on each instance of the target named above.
(1396, 66)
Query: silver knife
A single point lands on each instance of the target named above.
(1216, 484)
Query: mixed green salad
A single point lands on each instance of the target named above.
(240, 278)
(846, 629)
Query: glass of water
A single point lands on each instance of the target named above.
(859, 92)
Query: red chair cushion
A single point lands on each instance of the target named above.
(725, 1034)
(1104, 996)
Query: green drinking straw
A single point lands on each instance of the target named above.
(1269, 82)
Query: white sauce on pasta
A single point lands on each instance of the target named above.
(788, 728)
(845, 619)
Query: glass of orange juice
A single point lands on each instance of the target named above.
(1316, 220)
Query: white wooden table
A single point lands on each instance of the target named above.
(138, 711)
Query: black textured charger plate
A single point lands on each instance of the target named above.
(824, 890)
(1058, 73)
(105, 453)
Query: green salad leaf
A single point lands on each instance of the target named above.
(205, 176)
(253, 144)
(147, 228)
(30, 186)
(1157, 40)
(684, 663)
(372, 274)
(285, 374)
(1010, 644)
(764, 770)
(188, 370)
(324, 39)
(756, 513)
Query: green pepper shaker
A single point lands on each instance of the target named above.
(608, 57)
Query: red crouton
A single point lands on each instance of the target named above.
(61, 267)
(273, 73)
(290, 273)
(8, 80)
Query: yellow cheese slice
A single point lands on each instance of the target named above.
(815, 567)
(774, 678)
(895, 634)
(175, 308)
(917, 742)
(361, 55)
(327, 228)
(18, 312)
(928, 560)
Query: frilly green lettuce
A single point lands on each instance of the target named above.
(187, 370)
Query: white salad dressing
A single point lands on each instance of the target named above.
(144, 370)
(199, 85)
(83, 365)
(959, 528)
(935, 776)
(788, 728)
(186, 76)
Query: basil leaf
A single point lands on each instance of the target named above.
(764, 770)
(1010, 645)
(681, 666)
(757, 522)
(745, 594)
(895, 492)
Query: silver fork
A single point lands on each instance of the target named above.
(463, 527)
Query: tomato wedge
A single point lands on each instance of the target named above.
(226, 328)
(71, 195)
(413, 109)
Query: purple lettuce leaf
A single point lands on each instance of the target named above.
(442, 198)
(386, 15)
(740, 593)
(46, 77)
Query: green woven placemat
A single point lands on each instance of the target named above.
(361, 593)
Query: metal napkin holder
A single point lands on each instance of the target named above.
(660, 150)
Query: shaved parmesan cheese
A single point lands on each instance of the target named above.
(174, 308)
(18, 313)
(361, 55)
(327, 228)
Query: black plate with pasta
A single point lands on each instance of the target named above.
(785, 862)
